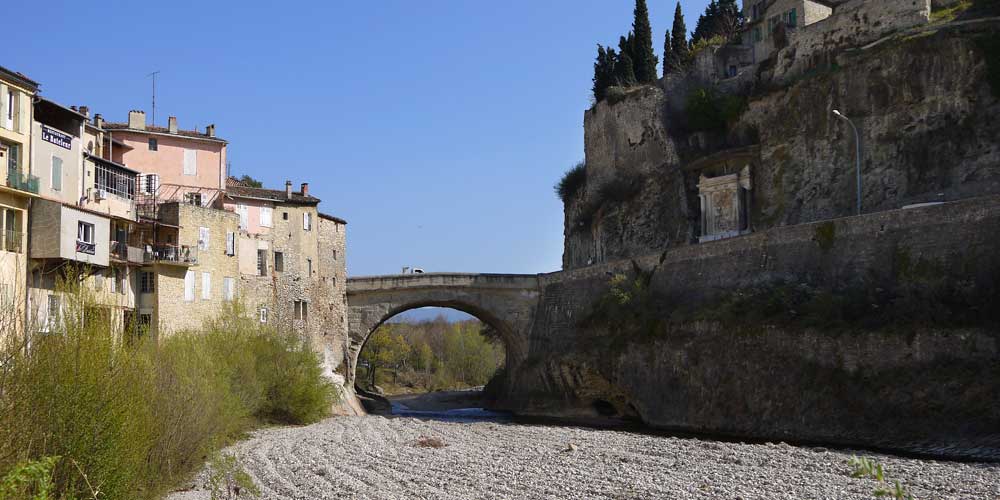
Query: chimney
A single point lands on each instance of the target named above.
(137, 120)
(98, 120)
(172, 124)
(305, 189)
(288, 189)
(210, 130)
(85, 111)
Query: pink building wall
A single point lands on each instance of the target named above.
(168, 160)
(253, 213)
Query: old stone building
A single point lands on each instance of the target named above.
(291, 262)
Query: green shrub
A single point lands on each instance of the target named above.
(708, 111)
(572, 182)
(615, 95)
(129, 419)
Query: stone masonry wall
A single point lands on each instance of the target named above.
(173, 313)
(852, 24)
(921, 388)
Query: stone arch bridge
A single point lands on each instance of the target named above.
(507, 302)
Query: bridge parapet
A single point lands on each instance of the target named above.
(363, 284)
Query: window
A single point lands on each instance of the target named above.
(195, 199)
(190, 162)
(203, 234)
(334, 254)
(99, 281)
(263, 315)
(84, 232)
(85, 238)
(244, 216)
(116, 181)
(284, 215)
(122, 277)
(152, 144)
(56, 183)
(261, 262)
(266, 214)
(309, 267)
(149, 183)
(230, 244)
(773, 23)
(10, 118)
(758, 35)
(301, 310)
(791, 18)
(113, 282)
(279, 262)
(227, 289)
(53, 315)
(206, 286)
(147, 282)
(189, 286)
(306, 221)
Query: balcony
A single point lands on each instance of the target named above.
(124, 253)
(13, 241)
(22, 181)
(178, 255)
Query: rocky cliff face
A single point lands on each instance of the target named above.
(923, 104)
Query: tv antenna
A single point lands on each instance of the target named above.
(153, 74)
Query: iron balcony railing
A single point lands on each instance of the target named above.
(22, 181)
(171, 254)
(13, 241)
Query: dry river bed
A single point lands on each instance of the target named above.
(380, 458)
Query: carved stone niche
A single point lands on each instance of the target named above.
(725, 205)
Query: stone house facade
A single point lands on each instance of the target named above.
(291, 263)
(178, 292)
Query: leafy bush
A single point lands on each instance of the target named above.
(130, 419)
(615, 95)
(572, 182)
(707, 111)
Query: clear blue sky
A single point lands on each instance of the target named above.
(436, 128)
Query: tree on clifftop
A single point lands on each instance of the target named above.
(625, 66)
(678, 42)
(604, 72)
(667, 54)
(643, 57)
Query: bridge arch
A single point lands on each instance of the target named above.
(506, 302)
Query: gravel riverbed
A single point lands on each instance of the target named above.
(379, 458)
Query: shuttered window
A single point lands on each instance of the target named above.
(227, 289)
(230, 244)
(57, 164)
(307, 221)
(206, 286)
(203, 234)
(266, 216)
(190, 162)
(189, 286)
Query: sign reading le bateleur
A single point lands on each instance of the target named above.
(56, 137)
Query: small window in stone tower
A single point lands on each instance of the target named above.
(309, 267)
(279, 262)
(152, 144)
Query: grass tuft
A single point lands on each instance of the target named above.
(572, 182)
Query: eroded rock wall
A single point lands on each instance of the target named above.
(929, 127)
(929, 388)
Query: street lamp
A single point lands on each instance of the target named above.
(857, 142)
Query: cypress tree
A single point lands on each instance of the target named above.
(678, 42)
(625, 65)
(642, 53)
(667, 54)
(604, 72)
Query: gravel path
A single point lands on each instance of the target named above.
(377, 458)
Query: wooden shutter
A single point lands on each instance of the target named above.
(190, 162)
(189, 286)
(230, 244)
(57, 164)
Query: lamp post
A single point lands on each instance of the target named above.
(857, 142)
